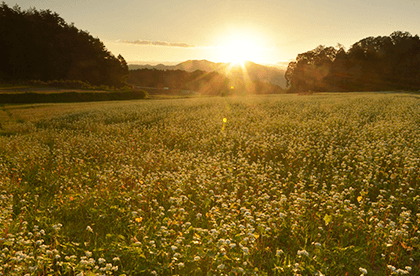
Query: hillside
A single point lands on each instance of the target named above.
(255, 71)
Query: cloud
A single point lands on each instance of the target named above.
(160, 43)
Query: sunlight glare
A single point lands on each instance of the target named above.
(238, 49)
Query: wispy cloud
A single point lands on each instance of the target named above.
(160, 43)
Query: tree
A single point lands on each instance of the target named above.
(373, 63)
(41, 45)
(310, 70)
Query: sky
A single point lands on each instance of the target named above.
(263, 31)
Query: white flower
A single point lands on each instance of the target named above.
(181, 265)
(279, 252)
(363, 270)
(101, 260)
(303, 252)
(89, 229)
(391, 268)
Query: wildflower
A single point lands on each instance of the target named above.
(88, 254)
(221, 266)
(279, 252)
(197, 258)
(57, 226)
(115, 259)
(181, 265)
(89, 229)
(363, 270)
(303, 252)
(174, 247)
(139, 219)
(101, 260)
(391, 268)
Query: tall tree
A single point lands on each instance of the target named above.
(41, 45)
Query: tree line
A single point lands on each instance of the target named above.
(40, 45)
(206, 83)
(371, 64)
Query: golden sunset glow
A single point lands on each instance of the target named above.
(241, 46)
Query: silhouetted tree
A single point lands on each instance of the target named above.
(373, 63)
(41, 45)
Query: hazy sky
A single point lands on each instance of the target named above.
(264, 31)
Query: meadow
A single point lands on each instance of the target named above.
(323, 184)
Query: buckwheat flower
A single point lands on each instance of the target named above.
(279, 252)
(88, 254)
(221, 266)
(232, 245)
(317, 244)
(245, 250)
(89, 229)
(303, 252)
(197, 258)
(42, 232)
(363, 270)
(101, 260)
(181, 265)
(391, 268)
(57, 257)
(174, 247)
(116, 259)
(408, 268)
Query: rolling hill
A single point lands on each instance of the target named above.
(254, 71)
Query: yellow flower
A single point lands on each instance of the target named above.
(359, 198)
(139, 219)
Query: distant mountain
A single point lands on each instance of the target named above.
(251, 70)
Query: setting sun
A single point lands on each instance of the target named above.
(237, 48)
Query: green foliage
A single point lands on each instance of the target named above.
(70, 97)
(273, 185)
(381, 63)
(41, 45)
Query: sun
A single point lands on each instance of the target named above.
(240, 48)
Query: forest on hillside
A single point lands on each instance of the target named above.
(371, 64)
(206, 83)
(40, 45)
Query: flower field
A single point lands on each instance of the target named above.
(327, 184)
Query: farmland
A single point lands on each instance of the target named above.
(326, 184)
